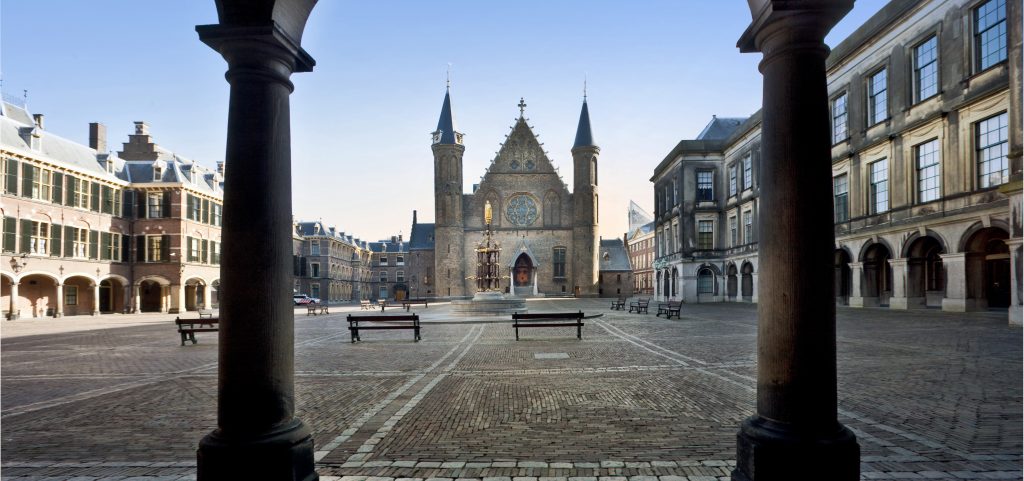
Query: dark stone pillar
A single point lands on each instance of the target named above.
(795, 434)
(257, 436)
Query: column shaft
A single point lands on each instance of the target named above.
(95, 299)
(59, 312)
(795, 434)
(14, 313)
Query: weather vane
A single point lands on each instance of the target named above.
(522, 106)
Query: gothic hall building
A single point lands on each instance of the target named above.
(548, 234)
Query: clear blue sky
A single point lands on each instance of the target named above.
(657, 71)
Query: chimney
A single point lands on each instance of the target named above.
(98, 137)
(220, 167)
(394, 239)
(413, 217)
(399, 237)
(141, 128)
(38, 118)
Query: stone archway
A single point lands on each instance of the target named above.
(111, 295)
(987, 265)
(926, 282)
(841, 270)
(877, 277)
(732, 284)
(522, 273)
(747, 282)
(152, 295)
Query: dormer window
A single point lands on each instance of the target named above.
(158, 174)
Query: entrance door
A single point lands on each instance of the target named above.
(523, 271)
(998, 288)
(105, 296)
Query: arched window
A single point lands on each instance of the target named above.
(705, 281)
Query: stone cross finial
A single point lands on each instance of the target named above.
(522, 106)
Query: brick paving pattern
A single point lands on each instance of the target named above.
(930, 395)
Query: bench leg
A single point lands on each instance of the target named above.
(192, 335)
(517, 333)
(416, 335)
(184, 337)
(579, 332)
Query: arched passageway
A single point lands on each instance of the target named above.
(877, 277)
(732, 283)
(841, 269)
(987, 265)
(747, 282)
(926, 284)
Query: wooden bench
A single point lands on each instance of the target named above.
(550, 319)
(408, 321)
(409, 302)
(670, 308)
(314, 308)
(364, 305)
(189, 327)
(640, 305)
(205, 313)
(619, 304)
(386, 304)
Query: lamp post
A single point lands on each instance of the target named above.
(795, 434)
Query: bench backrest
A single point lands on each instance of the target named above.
(209, 320)
(405, 317)
(547, 315)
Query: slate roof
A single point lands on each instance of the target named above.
(720, 128)
(584, 137)
(388, 246)
(422, 237)
(15, 120)
(618, 258)
(310, 229)
(175, 168)
(446, 123)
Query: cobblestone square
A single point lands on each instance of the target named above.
(929, 394)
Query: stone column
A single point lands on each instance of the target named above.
(1016, 303)
(177, 296)
(955, 267)
(536, 291)
(207, 293)
(900, 274)
(127, 299)
(165, 298)
(59, 310)
(14, 313)
(95, 298)
(795, 434)
(137, 299)
(257, 435)
(856, 279)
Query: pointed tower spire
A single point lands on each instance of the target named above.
(445, 133)
(583, 136)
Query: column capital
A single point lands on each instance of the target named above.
(1015, 242)
(795, 20)
(856, 265)
(255, 46)
(901, 262)
(957, 256)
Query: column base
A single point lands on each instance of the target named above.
(285, 454)
(769, 451)
(14, 316)
(1015, 316)
(58, 314)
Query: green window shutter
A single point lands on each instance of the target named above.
(108, 200)
(58, 188)
(206, 211)
(104, 246)
(26, 180)
(140, 248)
(204, 253)
(10, 234)
(69, 241)
(71, 191)
(190, 203)
(117, 202)
(11, 184)
(26, 236)
(126, 248)
(55, 240)
(166, 207)
(140, 204)
(128, 204)
(94, 200)
(94, 244)
(188, 249)
(165, 245)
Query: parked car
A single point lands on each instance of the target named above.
(302, 299)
